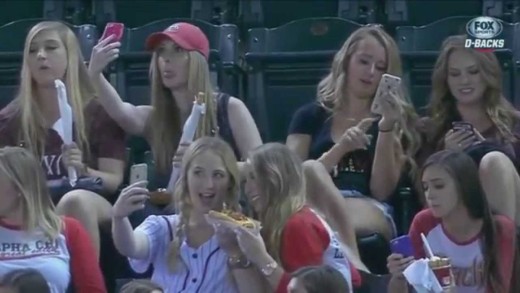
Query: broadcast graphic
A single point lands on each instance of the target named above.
(484, 34)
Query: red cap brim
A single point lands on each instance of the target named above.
(156, 38)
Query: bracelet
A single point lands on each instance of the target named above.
(385, 130)
(238, 262)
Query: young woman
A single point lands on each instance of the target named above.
(187, 253)
(467, 87)
(365, 155)
(178, 71)
(459, 225)
(316, 279)
(33, 235)
(33, 120)
(295, 236)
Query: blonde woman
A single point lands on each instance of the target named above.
(187, 254)
(467, 88)
(365, 154)
(295, 236)
(33, 120)
(178, 71)
(33, 235)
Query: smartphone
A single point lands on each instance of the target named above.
(402, 245)
(389, 83)
(461, 125)
(113, 28)
(138, 172)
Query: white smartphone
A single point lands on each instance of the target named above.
(387, 84)
(138, 172)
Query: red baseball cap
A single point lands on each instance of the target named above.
(185, 35)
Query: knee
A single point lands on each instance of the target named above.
(313, 169)
(496, 163)
(76, 200)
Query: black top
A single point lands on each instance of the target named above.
(354, 170)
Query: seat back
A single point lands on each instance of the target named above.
(420, 47)
(271, 14)
(133, 64)
(11, 52)
(14, 10)
(286, 64)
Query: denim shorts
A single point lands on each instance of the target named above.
(388, 210)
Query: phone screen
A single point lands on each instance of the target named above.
(114, 28)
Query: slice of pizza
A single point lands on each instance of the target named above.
(236, 218)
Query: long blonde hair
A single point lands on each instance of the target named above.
(442, 105)
(164, 124)
(331, 89)
(77, 81)
(24, 171)
(279, 173)
(182, 198)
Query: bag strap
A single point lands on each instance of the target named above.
(170, 230)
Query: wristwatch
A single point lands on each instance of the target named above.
(269, 268)
(238, 262)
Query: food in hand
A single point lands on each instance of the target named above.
(160, 197)
(233, 217)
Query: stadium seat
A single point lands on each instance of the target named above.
(274, 13)
(284, 66)
(419, 46)
(14, 10)
(214, 11)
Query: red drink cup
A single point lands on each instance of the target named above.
(441, 267)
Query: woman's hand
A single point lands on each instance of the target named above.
(391, 111)
(227, 240)
(461, 139)
(355, 137)
(252, 245)
(72, 156)
(131, 199)
(177, 158)
(103, 53)
(396, 264)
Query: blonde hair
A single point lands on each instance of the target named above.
(77, 82)
(164, 124)
(24, 171)
(332, 88)
(182, 199)
(279, 173)
(442, 105)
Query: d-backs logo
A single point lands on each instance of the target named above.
(483, 32)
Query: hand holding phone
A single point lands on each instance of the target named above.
(402, 245)
(114, 29)
(138, 172)
(462, 126)
(388, 83)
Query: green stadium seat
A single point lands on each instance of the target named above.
(14, 10)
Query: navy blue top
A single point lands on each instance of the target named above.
(354, 169)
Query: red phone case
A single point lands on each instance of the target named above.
(114, 28)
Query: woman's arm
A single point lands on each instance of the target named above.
(85, 271)
(131, 118)
(397, 285)
(249, 280)
(387, 166)
(110, 172)
(132, 244)
(243, 127)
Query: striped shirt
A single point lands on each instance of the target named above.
(202, 269)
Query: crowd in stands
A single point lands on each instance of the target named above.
(312, 196)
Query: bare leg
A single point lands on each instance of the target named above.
(501, 184)
(89, 208)
(347, 217)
